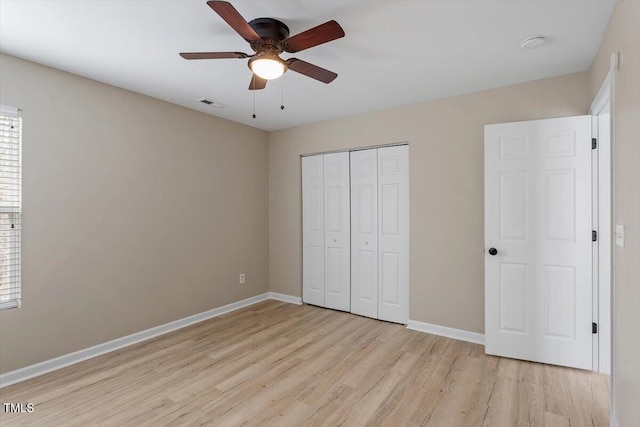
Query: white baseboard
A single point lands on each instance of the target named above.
(457, 334)
(54, 364)
(285, 298)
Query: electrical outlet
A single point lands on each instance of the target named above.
(242, 279)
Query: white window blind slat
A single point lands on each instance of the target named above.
(10, 206)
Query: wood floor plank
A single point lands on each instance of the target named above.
(278, 364)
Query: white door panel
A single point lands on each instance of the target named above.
(538, 287)
(393, 234)
(313, 251)
(337, 232)
(364, 233)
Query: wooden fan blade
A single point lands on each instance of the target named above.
(213, 55)
(234, 19)
(257, 83)
(310, 70)
(323, 33)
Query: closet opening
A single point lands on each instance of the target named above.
(355, 209)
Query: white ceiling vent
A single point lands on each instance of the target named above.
(532, 42)
(214, 104)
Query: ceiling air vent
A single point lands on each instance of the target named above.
(214, 104)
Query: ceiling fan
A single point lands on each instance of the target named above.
(268, 38)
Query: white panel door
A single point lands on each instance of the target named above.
(313, 230)
(393, 234)
(538, 260)
(364, 233)
(337, 274)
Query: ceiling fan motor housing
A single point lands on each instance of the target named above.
(271, 31)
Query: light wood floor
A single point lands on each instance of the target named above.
(284, 365)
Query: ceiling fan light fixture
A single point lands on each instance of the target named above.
(268, 67)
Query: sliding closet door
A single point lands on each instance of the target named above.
(313, 230)
(337, 235)
(364, 233)
(393, 234)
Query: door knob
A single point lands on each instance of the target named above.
(366, 243)
(493, 251)
(335, 240)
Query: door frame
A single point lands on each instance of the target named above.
(603, 252)
(349, 150)
(605, 95)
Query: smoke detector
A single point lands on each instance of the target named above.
(532, 42)
(211, 103)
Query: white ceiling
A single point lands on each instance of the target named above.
(394, 52)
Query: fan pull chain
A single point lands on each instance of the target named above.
(282, 93)
(254, 96)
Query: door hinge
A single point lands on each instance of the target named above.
(594, 143)
(594, 236)
(594, 328)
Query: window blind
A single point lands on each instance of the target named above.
(10, 206)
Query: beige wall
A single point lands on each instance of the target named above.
(136, 213)
(446, 180)
(623, 34)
